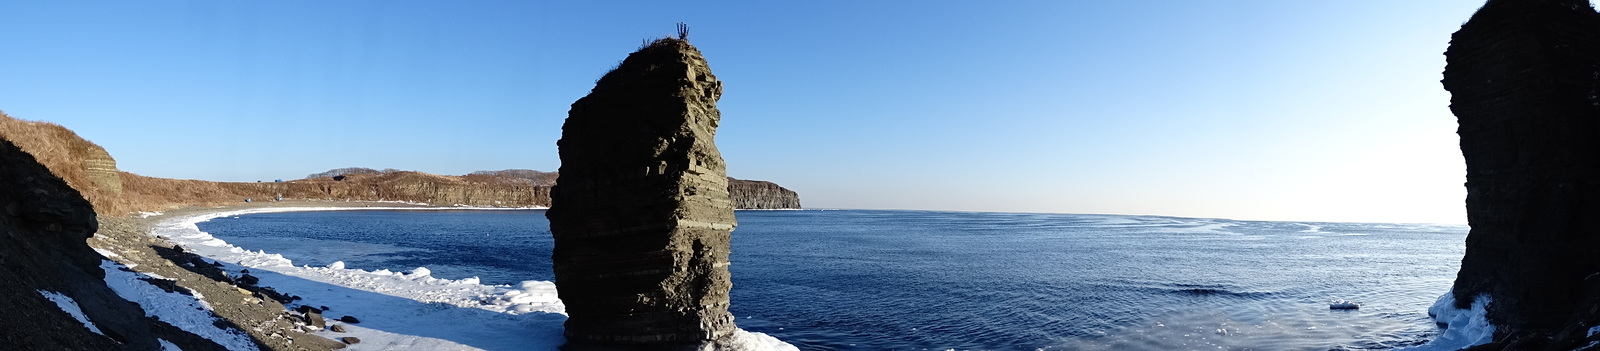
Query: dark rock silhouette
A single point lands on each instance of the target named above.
(641, 213)
(1523, 77)
(45, 224)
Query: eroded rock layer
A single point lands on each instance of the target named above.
(760, 195)
(641, 213)
(1523, 78)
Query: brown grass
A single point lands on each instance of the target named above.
(60, 150)
(66, 155)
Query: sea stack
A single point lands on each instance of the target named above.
(1523, 77)
(641, 214)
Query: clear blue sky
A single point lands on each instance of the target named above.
(1278, 110)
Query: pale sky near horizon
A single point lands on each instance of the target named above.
(1269, 110)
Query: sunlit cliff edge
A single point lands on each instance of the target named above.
(89, 168)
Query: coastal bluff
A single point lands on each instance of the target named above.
(91, 170)
(1523, 77)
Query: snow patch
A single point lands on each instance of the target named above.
(168, 345)
(190, 313)
(1463, 327)
(106, 253)
(143, 214)
(70, 306)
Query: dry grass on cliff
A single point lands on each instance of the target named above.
(65, 153)
(69, 156)
(58, 149)
(53, 145)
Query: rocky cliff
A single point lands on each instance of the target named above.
(90, 169)
(760, 195)
(1523, 81)
(641, 214)
(43, 251)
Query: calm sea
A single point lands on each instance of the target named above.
(912, 280)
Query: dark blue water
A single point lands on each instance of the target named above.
(840, 280)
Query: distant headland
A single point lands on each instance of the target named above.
(90, 168)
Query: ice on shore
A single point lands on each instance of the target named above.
(410, 310)
(1463, 327)
(188, 312)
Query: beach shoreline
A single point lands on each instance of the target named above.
(396, 310)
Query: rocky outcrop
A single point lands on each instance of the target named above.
(641, 214)
(1523, 77)
(760, 195)
(404, 186)
(45, 224)
(526, 175)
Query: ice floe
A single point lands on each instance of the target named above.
(1342, 304)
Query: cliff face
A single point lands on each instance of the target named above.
(760, 195)
(396, 186)
(42, 250)
(1523, 81)
(641, 214)
(93, 172)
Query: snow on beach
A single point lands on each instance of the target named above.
(405, 310)
(189, 312)
(70, 306)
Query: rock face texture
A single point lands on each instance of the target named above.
(641, 214)
(45, 224)
(1523, 77)
(759, 195)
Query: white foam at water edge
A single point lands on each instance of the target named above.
(1463, 327)
(527, 315)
